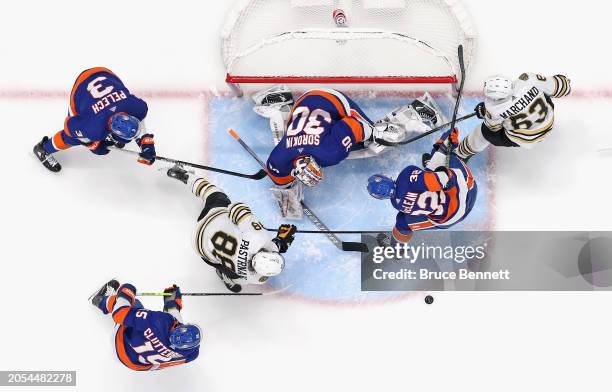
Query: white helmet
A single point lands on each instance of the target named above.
(498, 89)
(267, 263)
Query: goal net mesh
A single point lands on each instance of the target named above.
(383, 41)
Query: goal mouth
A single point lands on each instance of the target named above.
(384, 42)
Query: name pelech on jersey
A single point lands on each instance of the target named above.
(529, 116)
(228, 238)
(322, 124)
(142, 341)
(96, 95)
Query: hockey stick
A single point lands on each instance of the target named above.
(459, 94)
(196, 294)
(336, 231)
(257, 176)
(342, 245)
(434, 130)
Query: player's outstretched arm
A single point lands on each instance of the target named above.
(173, 304)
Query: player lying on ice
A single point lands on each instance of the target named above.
(102, 113)
(435, 197)
(516, 113)
(147, 339)
(324, 127)
(231, 240)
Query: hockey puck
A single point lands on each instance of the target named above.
(429, 300)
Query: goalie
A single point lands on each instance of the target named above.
(517, 113)
(323, 128)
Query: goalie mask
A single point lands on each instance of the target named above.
(308, 171)
(124, 126)
(498, 89)
(267, 263)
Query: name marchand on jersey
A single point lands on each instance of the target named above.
(522, 103)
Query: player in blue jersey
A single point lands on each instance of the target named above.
(146, 339)
(102, 113)
(322, 128)
(435, 197)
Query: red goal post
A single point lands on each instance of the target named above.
(383, 42)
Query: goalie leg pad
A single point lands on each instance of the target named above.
(290, 200)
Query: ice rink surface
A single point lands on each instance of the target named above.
(64, 235)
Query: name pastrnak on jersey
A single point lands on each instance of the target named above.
(229, 237)
(529, 116)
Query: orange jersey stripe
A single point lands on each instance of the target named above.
(356, 127)
(421, 226)
(110, 303)
(432, 182)
(123, 357)
(330, 97)
(281, 180)
(59, 143)
(401, 237)
(120, 315)
(84, 75)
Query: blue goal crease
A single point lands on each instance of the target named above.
(315, 269)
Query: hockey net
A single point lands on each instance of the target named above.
(382, 42)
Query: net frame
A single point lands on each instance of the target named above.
(234, 54)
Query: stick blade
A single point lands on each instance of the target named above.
(233, 134)
(355, 247)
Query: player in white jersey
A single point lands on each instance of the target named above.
(230, 239)
(517, 113)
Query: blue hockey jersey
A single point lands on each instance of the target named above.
(142, 338)
(96, 95)
(424, 203)
(324, 124)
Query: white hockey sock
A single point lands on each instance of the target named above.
(472, 144)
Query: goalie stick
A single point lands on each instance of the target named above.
(342, 245)
(257, 176)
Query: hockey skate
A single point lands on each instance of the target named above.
(178, 172)
(47, 159)
(109, 288)
(229, 283)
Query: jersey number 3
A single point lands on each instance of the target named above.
(309, 122)
(97, 89)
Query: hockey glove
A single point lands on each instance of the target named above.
(99, 147)
(128, 292)
(481, 111)
(284, 237)
(448, 142)
(147, 149)
(175, 300)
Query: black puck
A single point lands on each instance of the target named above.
(429, 300)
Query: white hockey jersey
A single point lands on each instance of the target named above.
(230, 237)
(529, 116)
